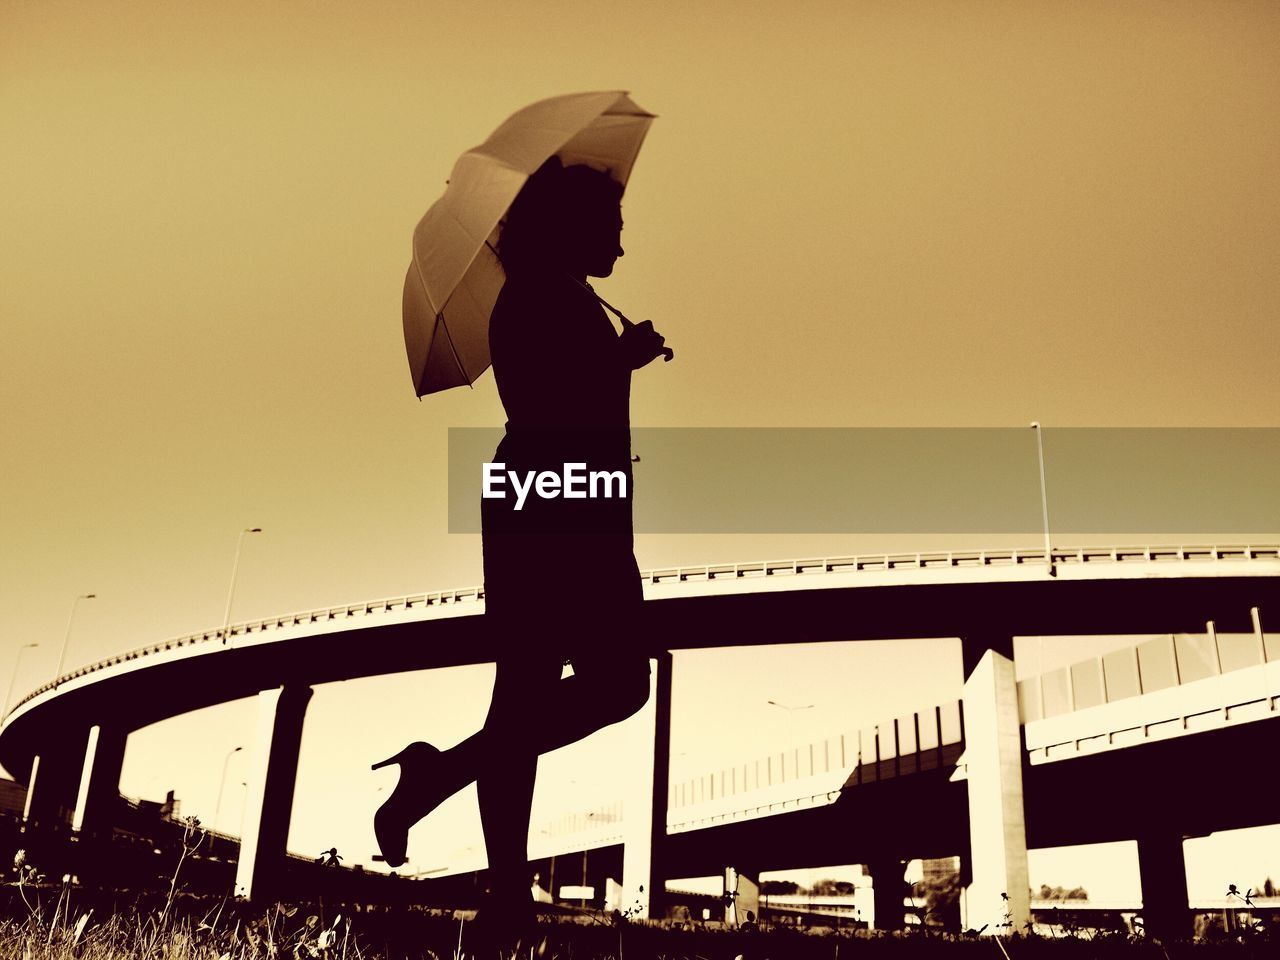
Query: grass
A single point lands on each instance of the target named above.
(62, 923)
(43, 921)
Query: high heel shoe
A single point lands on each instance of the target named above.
(419, 791)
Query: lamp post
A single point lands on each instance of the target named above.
(17, 660)
(791, 713)
(551, 877)
(244, 802)
(231, 589)
(790, 710)
(66, 639)
(222, 783)
(1044, 497)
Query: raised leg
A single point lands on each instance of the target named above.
(532, 705)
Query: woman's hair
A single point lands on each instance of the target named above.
(555, 204)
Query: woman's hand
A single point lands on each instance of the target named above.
(640, 344)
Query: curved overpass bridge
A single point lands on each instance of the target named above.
(68, 736)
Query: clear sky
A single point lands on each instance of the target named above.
(846, 214)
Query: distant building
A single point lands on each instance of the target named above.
(168, 809)
(13, 798)
(939, 868)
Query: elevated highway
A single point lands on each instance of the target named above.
(68, 736)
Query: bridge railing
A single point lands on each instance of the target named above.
(604, 816)
(926, 740)
(870, 563)
(318, 615)
(1157, 664)
(598, 827)
(880, 562)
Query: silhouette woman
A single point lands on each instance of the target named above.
(561, 581)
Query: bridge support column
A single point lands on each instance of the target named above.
(99, 781)
(50, 786)
(1162, 870)
(269, 802)
(742, 895)
(997, 896)
(889, 891)
(975, 646)
(645, 809)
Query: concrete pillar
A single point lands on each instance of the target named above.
(29, 800)
(99, 781)
(51, 785)
(975, 646)
(742, 895)
(997, 897)
(1163, 874)
(645, 809)
(889, 891)
(269, 802)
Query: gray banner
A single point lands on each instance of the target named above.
(929, 480)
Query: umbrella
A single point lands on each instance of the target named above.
(454, 277)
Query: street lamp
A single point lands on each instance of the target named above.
(244, 802)
(551, 878)
(17, 660)
(1044, 498)
(790, 710)
(791, 713)
(231, 590)
(67, 636)
(222, 783)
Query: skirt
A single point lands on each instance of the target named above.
(562, 571)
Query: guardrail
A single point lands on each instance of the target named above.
(1166, 661)
(903, 745)
(320, 614)
(960, 558)
(571, 823)
(863, 562)
(602, 826)
(815, 774)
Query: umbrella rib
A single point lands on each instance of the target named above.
(461, 369)
(440, 320)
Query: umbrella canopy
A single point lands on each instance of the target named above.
(454, 277)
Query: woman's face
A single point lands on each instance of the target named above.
(601, 241)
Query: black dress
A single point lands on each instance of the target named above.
(560, 571)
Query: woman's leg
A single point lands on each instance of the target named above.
(543, 715)
(534, 712)
(504, 764)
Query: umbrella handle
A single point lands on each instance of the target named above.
(667, 353)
